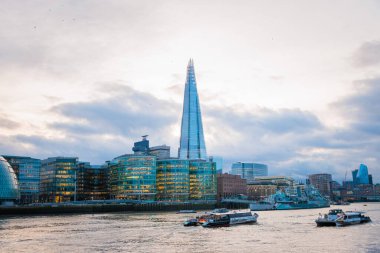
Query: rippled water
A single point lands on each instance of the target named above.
(276, 231)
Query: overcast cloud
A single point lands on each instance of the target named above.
(290, 85)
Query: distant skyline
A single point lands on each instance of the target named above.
(294, 85)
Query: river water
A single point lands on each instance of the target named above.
(276, 231)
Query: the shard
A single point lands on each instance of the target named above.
(192, 143)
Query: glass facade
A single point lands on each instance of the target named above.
(173, 180)
(27, 171)
(9, 189)
(192, 143)
(92, 182)
(58, 176)
(249, 170)
(202, 182)
(133, 177)
(363, 174)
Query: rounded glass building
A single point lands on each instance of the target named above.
(9, 190)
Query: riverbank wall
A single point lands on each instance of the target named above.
(101, 208)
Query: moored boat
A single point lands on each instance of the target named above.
(186, 211)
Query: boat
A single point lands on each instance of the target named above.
(208, 215)
(186, 211)
(191, 222)
(328, 219)
(230, 218)
(351, 218)
(261, 206)
(291, 198)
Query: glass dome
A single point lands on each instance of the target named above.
(9, 189)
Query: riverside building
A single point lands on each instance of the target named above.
(9, 189)
(192, 142)
(91, 182)
(133, 177)
(58, 179)
(322, 182)
(173, 180)
(230, 186)
(27, 171)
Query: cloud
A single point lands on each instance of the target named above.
(7, 123)
(367, 55)
(295, 142)
(126, 112)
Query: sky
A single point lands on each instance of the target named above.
(292, 84)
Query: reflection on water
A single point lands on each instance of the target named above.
(276, 231)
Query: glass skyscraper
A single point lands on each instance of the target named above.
(360, 176)
(192, 143)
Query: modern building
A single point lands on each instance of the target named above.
(27, 171)
(230, 186)
(173, 182)
(202, 180)
(192, 143)
(360, 176)
(218, 160)
(322, 182)
(133, 177)
(141, 147)
(249, 170)
(259, 191)
(161, 152)
(9, 189)
(92, 182)
(58, 179)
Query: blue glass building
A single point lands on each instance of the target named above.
(27, 171)
(249, 170)
(9, 190)
(360, 176)
(202, 180)
(192, 143)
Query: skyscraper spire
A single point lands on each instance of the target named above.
(192, 143)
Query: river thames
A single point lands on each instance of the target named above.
(276, 231)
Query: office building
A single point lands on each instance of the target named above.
(249, 170)
(27, 171)
(133, 177)
(218, 160)
(360, 176)
(202, 180)
(173, 182)
(92, 182)
(322, 182)
(161, 152)
(230, 186)
(58, 179)
(141, 147)
(259, 191)
(9, 189)
(192, 143)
